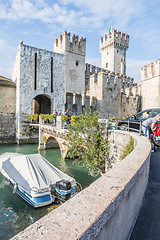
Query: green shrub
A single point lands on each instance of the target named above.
(64, 118)
(114, 118)
(44, 139)
(42, 116)
(30, 130)
(51, 117)
(129, 148)
(74, 119)
(33, 117)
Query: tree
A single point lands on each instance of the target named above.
(88, 141)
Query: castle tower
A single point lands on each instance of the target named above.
(39, 76)
(75, 52)
(113, 47)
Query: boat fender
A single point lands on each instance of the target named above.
(7, 183)
(15, 187)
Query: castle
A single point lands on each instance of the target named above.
(47, 80)
(150, 80)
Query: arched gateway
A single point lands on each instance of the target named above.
(41, 104)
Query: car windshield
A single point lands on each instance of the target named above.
(155, 112)
(143, 115)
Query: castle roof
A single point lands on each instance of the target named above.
(6, 82)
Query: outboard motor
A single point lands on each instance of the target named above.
(62, 190)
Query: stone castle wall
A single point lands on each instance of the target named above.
(7, 111)
(150, 79)
(113, 47)
(78, 103)
(24, 77)
(75, 51)
(116, 94)
(66, 81)
(90, 70)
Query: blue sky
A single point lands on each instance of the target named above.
(38, 23)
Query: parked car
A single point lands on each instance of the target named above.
(133, 122)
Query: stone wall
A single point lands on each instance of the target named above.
(52, 75)
(150, 79)
(7, 110)
(75, 72)
(90, 70)
(129, 104)
(24, 77)
(107, 208)
(75, 52)
(113, 47)
(78, 103)
(116, 94)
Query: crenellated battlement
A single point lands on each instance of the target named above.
(150, 78)
(104, 83)
(113, 47)
(115, 38)
(42, 76)
(92, 69)
(151, 70)
(63, 44)
(77, 103)
(112, 76)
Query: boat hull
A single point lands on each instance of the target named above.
(41, 200)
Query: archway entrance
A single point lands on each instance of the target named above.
(41, 104)
(52, 143)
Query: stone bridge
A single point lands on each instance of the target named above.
(53, 137)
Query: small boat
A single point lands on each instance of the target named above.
(36, 180)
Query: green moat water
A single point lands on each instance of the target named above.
(15, 213)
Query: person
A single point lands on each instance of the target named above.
(69, 117)
(148, 124)
(59, 113)
(64, 112)
(55, 113)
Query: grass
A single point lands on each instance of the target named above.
(129, 148)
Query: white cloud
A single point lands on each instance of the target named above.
(85, 16)
(118, 12)
(90, 14)
(7, 54)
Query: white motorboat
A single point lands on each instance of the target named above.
(35, 179)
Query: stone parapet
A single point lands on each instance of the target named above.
(117, 95)
(150, 88)
(114, 38)
(63, 44)
(150, 71)
(108, 207)
(77, 103)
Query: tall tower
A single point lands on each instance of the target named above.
(75, 52)
(113, 47)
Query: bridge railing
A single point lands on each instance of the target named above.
(112, 124)
(109, 124)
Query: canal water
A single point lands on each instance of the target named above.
(15, 213)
